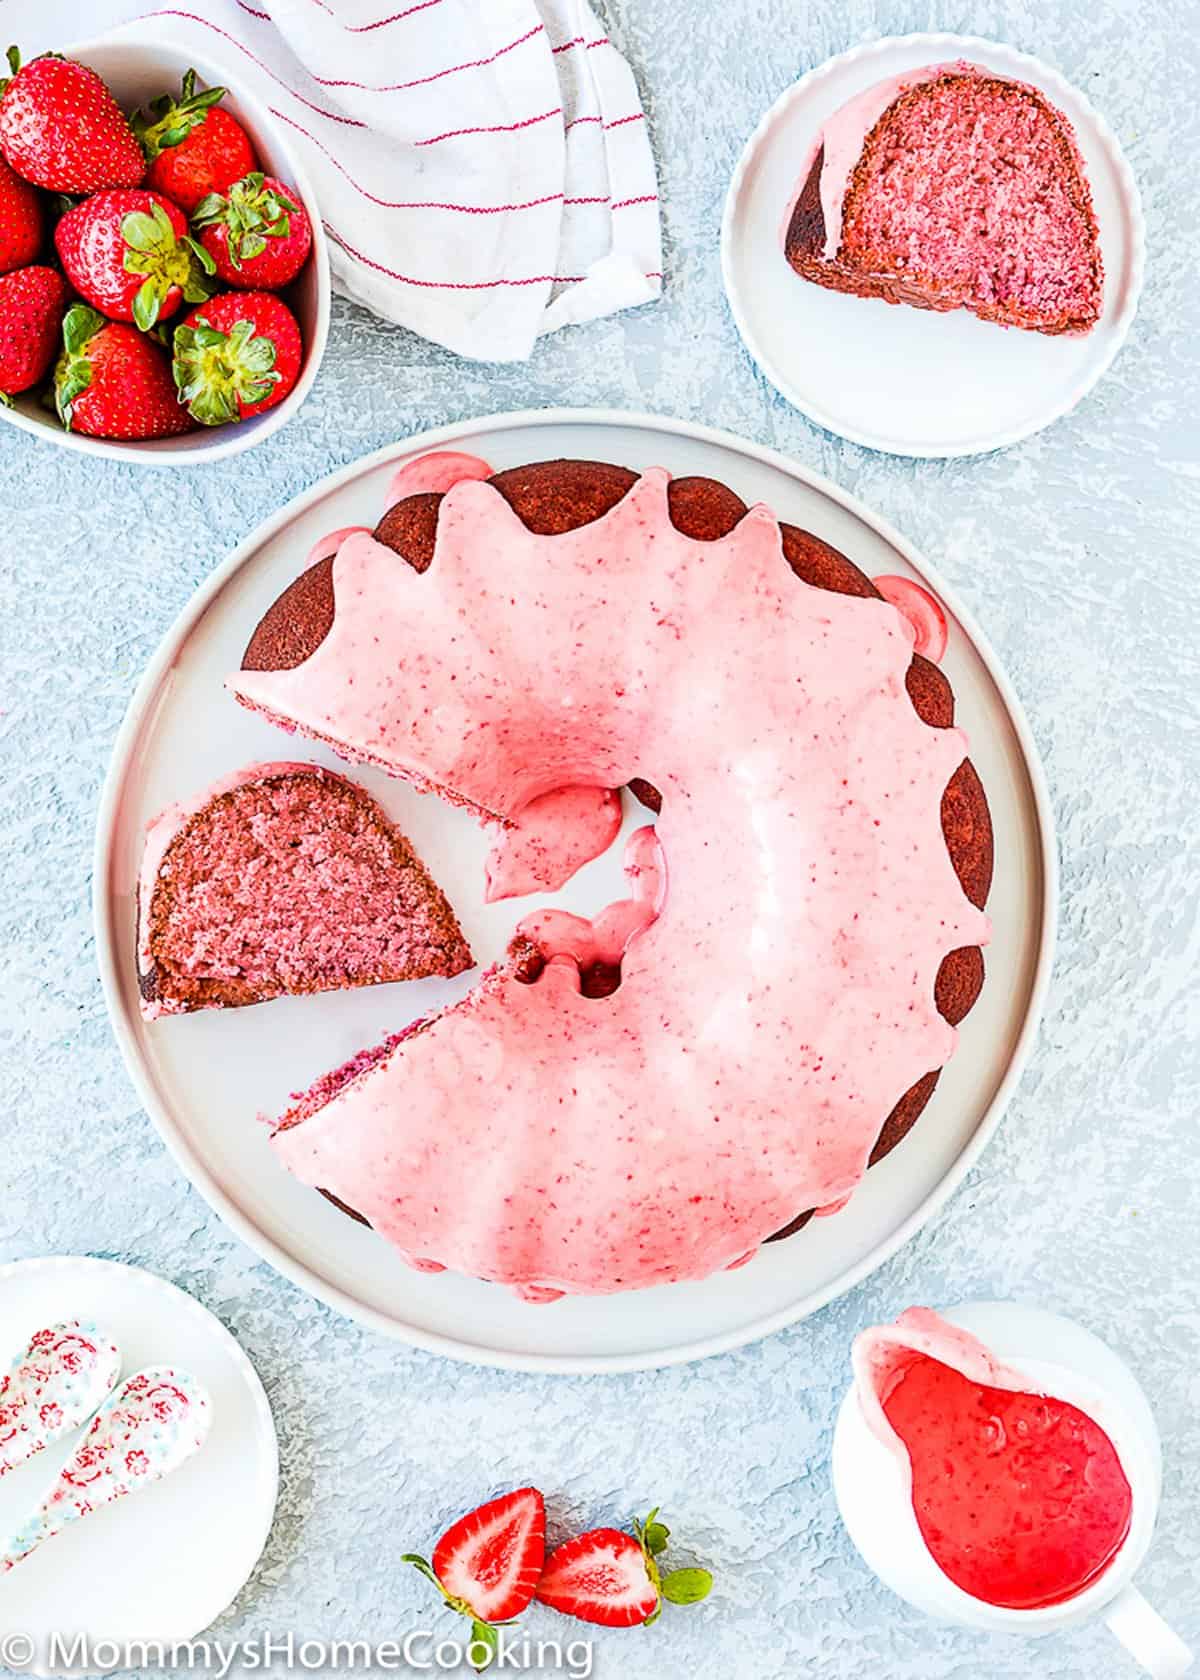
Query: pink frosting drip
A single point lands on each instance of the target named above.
(783, 999)
(922, 611)
(550, 839)
(435, 472)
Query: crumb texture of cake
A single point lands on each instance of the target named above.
(650, 1094)
(284, 878)
(952, 188)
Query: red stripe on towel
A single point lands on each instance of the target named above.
(492, 128)
(382, 23)
(462, 285)
(451, 70)
(191, 17)
(404, 203)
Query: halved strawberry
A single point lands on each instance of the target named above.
(612, 1578)
(487, 1564)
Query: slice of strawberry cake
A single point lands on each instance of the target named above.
(952, 188)
(284, 878)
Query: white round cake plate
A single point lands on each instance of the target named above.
(161, 1565)
(204, 1078)
(904, 380)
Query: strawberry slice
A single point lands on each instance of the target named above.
(601, 1576)
(487, 1564)
(612, 1578)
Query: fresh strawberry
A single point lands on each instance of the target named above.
(235, 355)
(486, 1565)
(32, 301)
(21, 221)
(610, 1577)
(130, 254)
(192, 148)
(61, 128)
(113, 381)
(258, 235)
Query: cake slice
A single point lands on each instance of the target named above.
(952, 188)
(284, 878)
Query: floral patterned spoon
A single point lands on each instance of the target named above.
(53, 1387)
(154, 1422)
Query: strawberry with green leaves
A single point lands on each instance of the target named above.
(486, 1565)
(113, 381)
(21, 221)
(131, 256)
(32, 301)
(192, 147)
(258, 234)
(613, 1578)
(236, 355)
(62, 129)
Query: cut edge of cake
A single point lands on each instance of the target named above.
(218, 885)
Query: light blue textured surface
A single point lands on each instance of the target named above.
(1077, 551)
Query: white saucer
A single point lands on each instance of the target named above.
(204, 1077)
(162, 1564)
(906, 380)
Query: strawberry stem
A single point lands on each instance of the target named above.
(73, 371)
(216, 372)
(169, 121)
(252, 213)
(484, 1635)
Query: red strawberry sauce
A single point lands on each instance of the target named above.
(1021, 1499)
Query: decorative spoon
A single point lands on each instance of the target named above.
(53, 1387)
(154, 1422)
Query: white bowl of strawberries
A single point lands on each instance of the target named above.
(164, 281)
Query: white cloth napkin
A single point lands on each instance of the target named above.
(482, 166)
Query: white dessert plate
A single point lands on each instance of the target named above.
(905, 380)
(204, 1077)
(160, 1565)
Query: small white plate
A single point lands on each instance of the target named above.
(162, 1564)
(204, 1077)
(910, 381)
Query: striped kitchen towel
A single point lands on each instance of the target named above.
(482, 166)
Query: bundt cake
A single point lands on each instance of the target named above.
(649, 1095)
(952, 188)
(283, 878)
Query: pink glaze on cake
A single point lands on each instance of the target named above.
(779, 1003)
(842, 137)
(922, 612)
(275, 886)
(327, 546)
(435, 472)
(550, 839)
